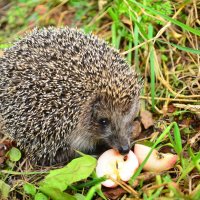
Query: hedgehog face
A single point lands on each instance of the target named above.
(113, 125)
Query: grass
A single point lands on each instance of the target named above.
(160, 39)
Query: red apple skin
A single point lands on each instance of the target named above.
(112, 164)
(157, 162)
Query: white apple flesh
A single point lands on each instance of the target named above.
(157, 162)
(112, 164)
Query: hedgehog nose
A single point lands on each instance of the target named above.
(123, 150)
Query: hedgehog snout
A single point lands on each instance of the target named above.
(120, 144)
(123, 150)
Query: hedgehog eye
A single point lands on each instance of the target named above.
(103, 122)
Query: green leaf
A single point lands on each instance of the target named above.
(79, 196)
(56, 194)
(14, 154)
(76, 170)
(29, 189)
(4, 190)
(40, 196)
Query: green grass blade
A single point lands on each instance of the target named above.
(177, 138)
(114, 34)
(186, 171)
(195, 159)
(152, 68)
(92, 191)
(114, 16)
(129, 56)
(174, 21)
(90, 183)
(186, 49)
(136, 42)
(22, 173)
(176, 142)
(140, 28)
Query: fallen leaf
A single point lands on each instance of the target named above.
(3, 149)
(101, 4)
(171, 108)
(41, 9)
(146, 119)
(2, 159)
(137, 129)
(114, 193)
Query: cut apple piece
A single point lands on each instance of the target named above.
(118, 167)
(157, 162)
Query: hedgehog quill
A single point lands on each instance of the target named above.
(62, 90)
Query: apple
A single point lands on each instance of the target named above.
(112, 164)
(157, 162)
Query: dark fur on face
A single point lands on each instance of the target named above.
(107, 126)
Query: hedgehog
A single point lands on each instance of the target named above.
(62, 90)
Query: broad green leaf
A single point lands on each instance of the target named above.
(29, 189)
(4, 190)
(56, 194)
(40, 196)
(14, 154)
(78, 169)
